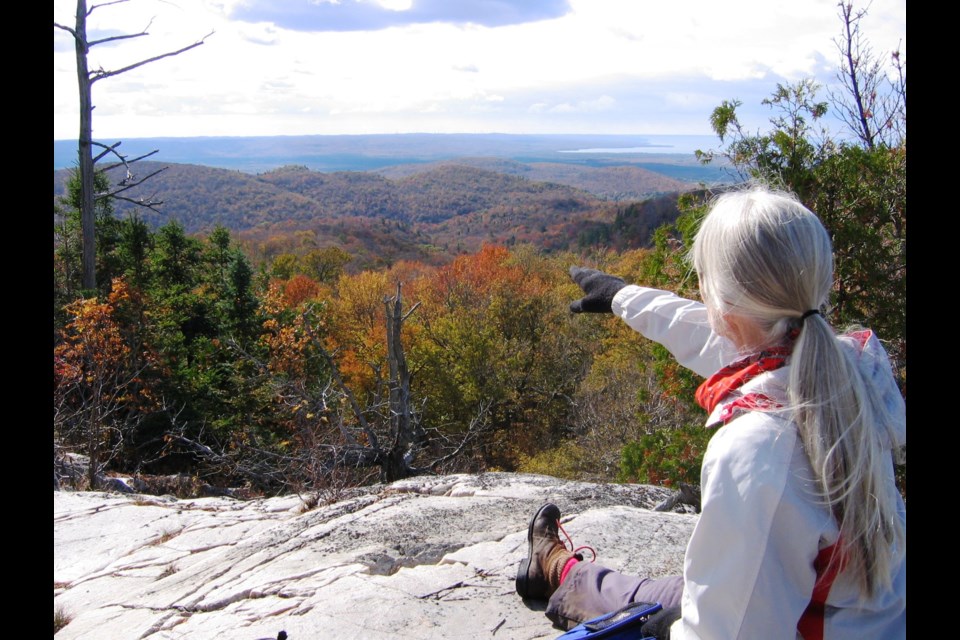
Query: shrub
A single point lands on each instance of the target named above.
(665, 457)
(563, 461)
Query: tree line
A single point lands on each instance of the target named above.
(189, 359)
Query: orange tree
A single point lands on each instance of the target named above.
(99, 390)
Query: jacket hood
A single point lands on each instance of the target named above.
(874, 365)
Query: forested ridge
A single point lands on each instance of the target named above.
(252, 348)
(622, 182)
(431, 214)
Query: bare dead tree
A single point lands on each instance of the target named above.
(872, 105)
(86, 159)
(405, 428)
(403, 437)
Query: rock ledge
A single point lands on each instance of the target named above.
(427, 557)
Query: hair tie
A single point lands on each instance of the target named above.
(807, 314)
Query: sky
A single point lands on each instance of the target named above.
(303, 67)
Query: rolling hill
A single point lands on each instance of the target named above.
(425, 211)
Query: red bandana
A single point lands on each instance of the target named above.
(732, 377)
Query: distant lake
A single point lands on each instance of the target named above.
(656, 144)
(615, 150)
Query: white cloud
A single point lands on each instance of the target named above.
(603, 103)
(639, 64)
(396, 5)
(262, 33)
(373, 15)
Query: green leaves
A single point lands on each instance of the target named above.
(724, 118)
(858, 191)
(665, 457)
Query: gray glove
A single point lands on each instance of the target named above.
(599, 288)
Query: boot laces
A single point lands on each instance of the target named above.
(568, 544)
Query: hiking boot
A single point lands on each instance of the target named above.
(539, 573)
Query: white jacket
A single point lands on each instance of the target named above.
(748, 569)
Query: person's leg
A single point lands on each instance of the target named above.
(583, 590)
(590, 590)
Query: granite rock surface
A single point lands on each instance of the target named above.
(426, 557)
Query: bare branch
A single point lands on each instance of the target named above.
(65, 28)
(854, 61)
(142, 32)
(869, 103)
(342, 428)
(408, 313)
(130, 181)
(265, 475)
(101, 74)
(108, 149)
(477, 425)
(687, 494)
(129, 162)
(137, 159)
(112, 38)
(140, 203)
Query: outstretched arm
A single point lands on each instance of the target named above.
(678, 324)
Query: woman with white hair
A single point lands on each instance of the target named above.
(802, 531)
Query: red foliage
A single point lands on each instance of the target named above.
(299, 289)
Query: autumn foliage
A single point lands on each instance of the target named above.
(212, 368)
(99, 390)
(203, 355)
(282, 360)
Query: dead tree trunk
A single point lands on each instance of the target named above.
(85, 151)
(405, 429)
(85, 159)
